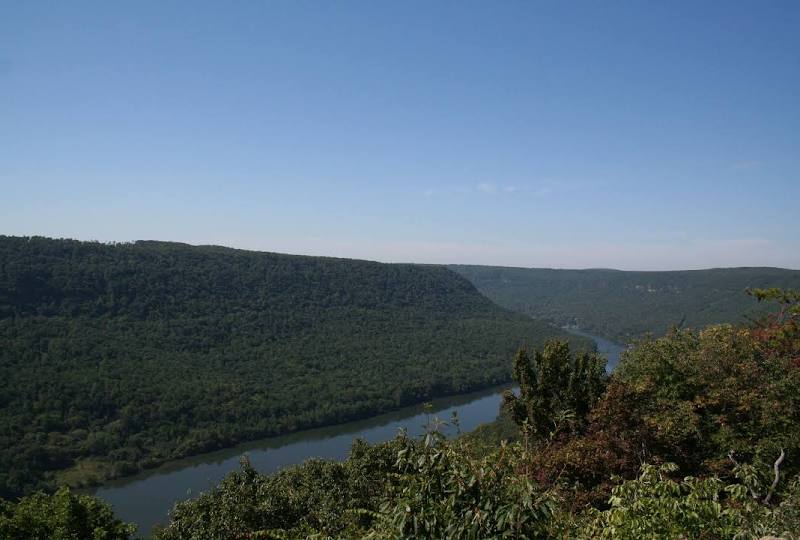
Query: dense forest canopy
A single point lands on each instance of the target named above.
(623, 305)
(696, 435)
(118, 357)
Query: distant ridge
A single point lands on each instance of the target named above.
(623, 305)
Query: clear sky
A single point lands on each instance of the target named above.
(633, 135)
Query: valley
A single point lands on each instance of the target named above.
(623, 305)
(141, 373)
(116, 358)
(144, 499)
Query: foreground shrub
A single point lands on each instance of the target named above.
(656, 506)
(61, 516)
(442, 491)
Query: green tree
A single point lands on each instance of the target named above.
(556, 390)
(443, 491)
(61, 516)
(657, 506)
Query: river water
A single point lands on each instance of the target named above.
(146, 498)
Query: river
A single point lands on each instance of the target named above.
(145, 499)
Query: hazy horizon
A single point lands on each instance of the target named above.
(629, 136)
(443, 263)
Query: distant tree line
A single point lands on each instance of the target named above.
(625, 305)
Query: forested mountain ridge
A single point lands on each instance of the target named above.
(695, 435)
(624, 305)
(115, 357)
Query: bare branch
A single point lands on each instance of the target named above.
(777, 468)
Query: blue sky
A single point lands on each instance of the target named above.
(633, 135)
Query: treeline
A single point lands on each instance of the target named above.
(118, 357)
(622, 305)
(695, 435)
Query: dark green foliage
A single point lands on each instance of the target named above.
(622, 305)
(443, 491)
(779, 331)
(655, 506)
(317, 497)
(60, 516)
(712, 401)
(429, 488)
(556, 389)
(702, 399)
(123, 356)
(704, 395)
(118, 357)
(705, 401)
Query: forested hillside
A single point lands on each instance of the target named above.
(117, 357)
(623, 305)
(696, 435)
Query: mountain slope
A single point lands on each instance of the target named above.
(117, 357)
(623, 305)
